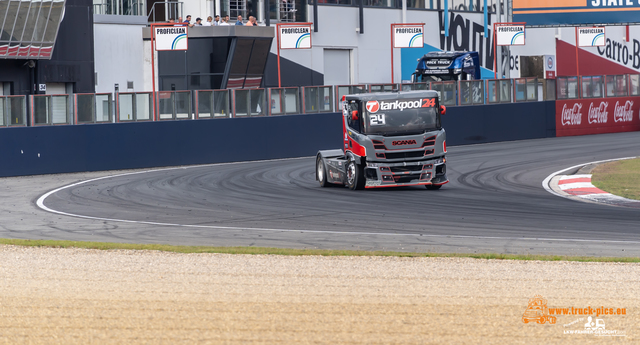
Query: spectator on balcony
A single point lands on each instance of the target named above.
(198, 22)
(208, 22)
(251, 21)
(217, 21)
(188, 21)
(239, 22)
(224, 21)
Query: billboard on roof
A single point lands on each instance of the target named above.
(576, 12)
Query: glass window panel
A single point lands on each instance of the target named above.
(40, 110)
(586, 87)
(572, 87)
(30, 23)
(143, 106)
(634, 80)
(84, 108)
(59, 109)
(7, 29)
(205, 101)
(610, 86)
(125, 107)
(258, 102)
(276, 101)
(183, 105)
(41, 22)
(596, 86)
(379, 3)
(55, 17)
(221, 103)
(17, 110)
(291, 101)
(21, 21)
(477, 92)
(165, 105)
(311, 99)
(2, 102)
(465, 92)
(492, 91)
(326, 102)
(505, 91)
(242, 100)
(103, 108)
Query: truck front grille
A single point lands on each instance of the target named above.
(410, 154)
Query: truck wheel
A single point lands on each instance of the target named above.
(433, 187)
(355, 176)
(321, 173)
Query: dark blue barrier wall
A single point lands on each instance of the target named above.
(499, 122)
(59, 149)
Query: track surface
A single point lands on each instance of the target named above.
(494, 202)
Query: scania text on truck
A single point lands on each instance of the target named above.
(389, 139)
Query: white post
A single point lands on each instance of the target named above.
(404, 11)
(498, 48)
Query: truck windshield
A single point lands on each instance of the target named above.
(401, 117)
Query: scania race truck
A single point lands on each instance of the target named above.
(443, 66)
(389, 139)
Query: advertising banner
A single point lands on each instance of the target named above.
(408, 36)
(171, 37)
(510, 35)
(597, 115)
(295, 36)
(591, 37)
(575, 12)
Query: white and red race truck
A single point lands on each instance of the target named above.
(390, 139)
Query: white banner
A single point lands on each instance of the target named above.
(295, 36)
(591, 37)
(510, 35)
(171, 38)
(408, 36)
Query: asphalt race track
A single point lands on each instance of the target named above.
(494, 203)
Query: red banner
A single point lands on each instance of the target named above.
(597, 115)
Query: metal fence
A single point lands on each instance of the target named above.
(39, 110)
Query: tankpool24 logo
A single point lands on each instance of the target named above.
(374, 106)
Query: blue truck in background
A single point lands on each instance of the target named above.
(445, 66)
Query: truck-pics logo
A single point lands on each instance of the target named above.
(403, 142)
(598, 114)
(373, 106)
(572, 116)
(537, 311)
(623, 113)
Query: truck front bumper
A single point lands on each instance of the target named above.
(426, 172)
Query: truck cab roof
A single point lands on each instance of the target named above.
(384, 96)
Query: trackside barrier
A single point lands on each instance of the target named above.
(49, 110)
(211, 104)
(525, 89)
(284, 100)
(383, 87)
(248, 102)
(174, 105)
(415, 86)
(471, 92)
(13, 111)
(317, 99)
(448, 91)
(134, 106)
(499, 91)
(92, 108)
(342, 90)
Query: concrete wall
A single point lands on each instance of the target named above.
(62, 149)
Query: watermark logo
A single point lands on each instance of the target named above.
(537, 311)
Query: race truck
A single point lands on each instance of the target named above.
(443, 66)
(389, 139)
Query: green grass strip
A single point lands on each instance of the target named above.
(620, 178)
(297, 252)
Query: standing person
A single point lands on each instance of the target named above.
(224, 21)
(251, 21)
(208, 22)
(198, 22)
(217, 21)
(239, 22)
(188, 21)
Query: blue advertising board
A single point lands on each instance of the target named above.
(576, 12)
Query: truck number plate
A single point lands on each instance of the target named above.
(376, 119)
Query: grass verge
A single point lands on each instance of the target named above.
(296, 252)
(620, 178)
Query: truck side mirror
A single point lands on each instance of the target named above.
(443, 110)
(354, 115)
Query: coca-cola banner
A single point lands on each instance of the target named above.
(597, 115)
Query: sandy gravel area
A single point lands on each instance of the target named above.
(74, 296)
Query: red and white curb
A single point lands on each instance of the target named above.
(578, 187)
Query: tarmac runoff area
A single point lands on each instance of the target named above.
(78, 296)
